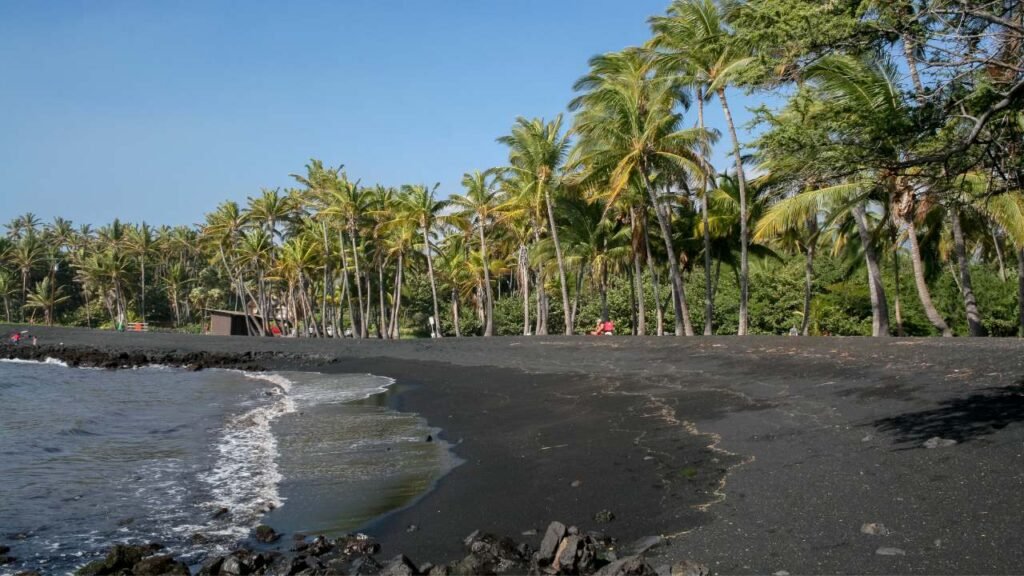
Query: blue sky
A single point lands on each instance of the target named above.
(158, 111)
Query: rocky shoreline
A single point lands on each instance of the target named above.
(84, 356)
(564, 550)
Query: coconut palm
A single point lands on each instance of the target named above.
(7, 289)
(695, 42)
(419, 205)
(45, 297)
(868, 89)
(26, 255)
(537, 150)
(629, 132)
(479, 204)
(142, 244)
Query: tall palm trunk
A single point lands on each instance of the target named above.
(1020, 291)
(489, 303)
(24, 291)
(142, 265)
(345, 285)
(542, 298)
(709, 295)
(327, 272)
(673, 265)
(382, 323)
(808, 287)
(433, 285)
(974, 325)
(396, 309)
(524, 287)
(742, 181)
(566, 311)
(997, 244)
(359, 287)
(896, 284)
(455, 313)
(922, 285)
(879, 306)
(655, 282)
(604, 292)
(638, 281)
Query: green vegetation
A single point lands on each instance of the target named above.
(883, 198)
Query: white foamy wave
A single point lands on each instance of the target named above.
(49, 360)
(314, 388)
(274, 378)
(245, 477)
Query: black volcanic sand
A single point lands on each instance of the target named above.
(754, 454)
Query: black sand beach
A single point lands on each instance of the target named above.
(753, 455)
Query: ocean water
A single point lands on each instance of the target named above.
(89, 458)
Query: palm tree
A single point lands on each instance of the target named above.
(479, 204)
(537, 150)
(45, 297)
(630, 132)
(869, 89)
(7, 289)
(141, 243)
(21, 226)
(26, 255)
(696, 43)
(419, 206)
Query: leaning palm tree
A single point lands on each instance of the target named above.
(479, 204)
(629, 131)
(869, 89)
(537, 150)
(695, 42)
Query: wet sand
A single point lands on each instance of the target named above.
(753, 455)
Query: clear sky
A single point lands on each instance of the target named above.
(158, 111)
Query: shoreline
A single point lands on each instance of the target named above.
(547, 439)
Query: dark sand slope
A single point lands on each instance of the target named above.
(759, 454)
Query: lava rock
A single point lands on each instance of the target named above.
(357, 545)
(552, 537)
(320, 546)
(120, 558)
(266, 534)
(399, 566)
(160, 566)
(567, 553)
(604, 516)
(364, 565)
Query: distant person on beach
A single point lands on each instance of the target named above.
(604, 328)
(15, 338)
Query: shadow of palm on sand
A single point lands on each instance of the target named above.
(961, 419)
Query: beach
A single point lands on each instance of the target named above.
(749, 455)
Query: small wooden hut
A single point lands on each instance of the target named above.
(231, 323)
